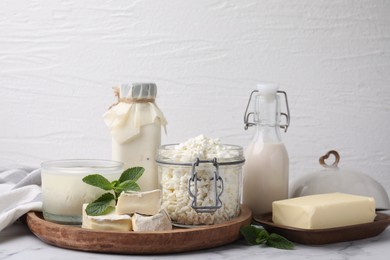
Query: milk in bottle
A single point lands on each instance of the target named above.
(265, 173)
(135, 123)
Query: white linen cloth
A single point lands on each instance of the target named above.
(20, 192)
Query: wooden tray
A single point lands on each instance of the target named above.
(159, 242)
(329, 235)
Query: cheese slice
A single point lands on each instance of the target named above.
(147, 203)
(158, 222)
(110, 221)
(324, 211)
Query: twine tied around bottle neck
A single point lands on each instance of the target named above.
(128, 100)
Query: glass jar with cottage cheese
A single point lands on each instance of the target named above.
(200, 181)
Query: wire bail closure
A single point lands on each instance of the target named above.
(248, 124)
(216, 180)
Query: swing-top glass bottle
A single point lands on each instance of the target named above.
(266, 170)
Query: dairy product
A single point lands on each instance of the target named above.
(68, 197)
(323, 211)
(63, 190)
(141, 152)
(110, 221)
(147, 202)
(265, 176)
(135, 123)
(174, 179)
(158, 222)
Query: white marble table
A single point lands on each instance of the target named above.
(17, 242)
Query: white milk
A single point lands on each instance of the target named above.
(265, 176)
(141, 151)
(64, 192)
(135, 125)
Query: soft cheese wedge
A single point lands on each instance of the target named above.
(110, 221)
(324, 211)
(147, 203)
(158, 222)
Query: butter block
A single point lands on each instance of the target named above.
(158, 222)
(110, 221)
(324, 211)
(147, 203)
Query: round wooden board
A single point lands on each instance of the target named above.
(159, 242)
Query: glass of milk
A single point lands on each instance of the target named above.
(64, 192)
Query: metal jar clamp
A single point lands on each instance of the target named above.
(215, 180)
(286, 115)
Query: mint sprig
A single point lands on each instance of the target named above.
(101, 206)
(126, 182)
(256, 236)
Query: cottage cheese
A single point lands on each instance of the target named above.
(174, 181)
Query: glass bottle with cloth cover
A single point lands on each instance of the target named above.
(266, 170)
(135, 124)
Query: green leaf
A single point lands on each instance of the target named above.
(277, 241)
(133, 173)
(128, 185)
(98, 180)
(126, 182)
(101, 206)
(114, 183)
(250, 234)
(104, 197)
(256, 236)
(262, 236)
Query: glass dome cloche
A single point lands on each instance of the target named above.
(333, 179)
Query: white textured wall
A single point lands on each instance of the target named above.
(59, 60)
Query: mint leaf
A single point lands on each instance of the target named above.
(277, 241)
(133, 173)
(262, 236)
(250, 234)
(126, 182)
(127, 186)
(115, 183)
(101, 206)
(104, 197)
(98, 180)
(256, 236)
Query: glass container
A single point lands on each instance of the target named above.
(334, 179)
(64, 192)
(135, 123)
(200, 191)
(266, 170)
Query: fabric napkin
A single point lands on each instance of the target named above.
(20, 192)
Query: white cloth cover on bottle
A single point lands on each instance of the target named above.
(125, 119)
